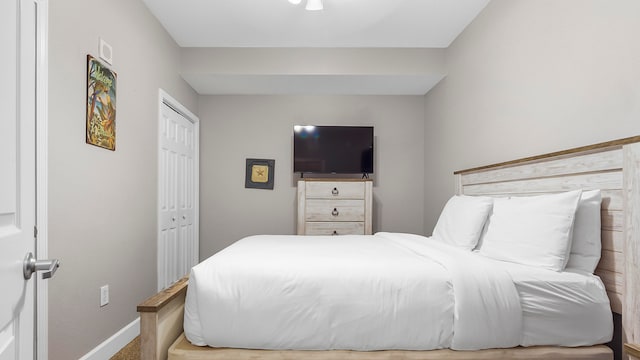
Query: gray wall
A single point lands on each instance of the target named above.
(530, 77)
(102, 204)
(234, 128)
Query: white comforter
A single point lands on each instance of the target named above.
(387, 291)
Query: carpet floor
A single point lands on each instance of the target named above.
(130, 352)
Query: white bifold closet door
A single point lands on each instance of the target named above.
(177, 247)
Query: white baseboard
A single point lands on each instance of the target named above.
(112, 345)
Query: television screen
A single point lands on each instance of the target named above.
(333, 149)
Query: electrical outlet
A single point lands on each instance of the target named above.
(104, 295)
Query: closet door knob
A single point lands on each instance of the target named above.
(335, 212)
(335, 191)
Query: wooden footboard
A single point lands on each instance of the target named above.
(161, 320)
(183, 350)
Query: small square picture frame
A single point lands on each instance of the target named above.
(259, 174)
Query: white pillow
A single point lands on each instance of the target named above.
(586, 246)
(532, 230)
(462, 220)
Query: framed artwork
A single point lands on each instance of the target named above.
(259, 174)
(101, 105)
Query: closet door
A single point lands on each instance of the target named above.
(177, 245)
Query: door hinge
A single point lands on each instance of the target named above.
(35, 232)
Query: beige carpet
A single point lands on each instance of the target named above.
(130, 352)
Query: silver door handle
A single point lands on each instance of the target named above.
(32, 265)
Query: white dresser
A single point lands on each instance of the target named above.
(334, 207)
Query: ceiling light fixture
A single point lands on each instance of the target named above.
(312, 5)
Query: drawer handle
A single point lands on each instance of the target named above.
(334, 233)
(335, 212)
(335, 191)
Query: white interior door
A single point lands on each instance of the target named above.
(178, 233)
(17, 176)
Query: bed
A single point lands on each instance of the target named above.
(612, 168)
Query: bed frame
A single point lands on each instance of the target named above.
(613, 167)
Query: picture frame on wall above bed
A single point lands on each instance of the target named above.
(613, 167)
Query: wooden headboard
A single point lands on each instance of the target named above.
(613, 167)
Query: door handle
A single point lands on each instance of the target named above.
(32, 265)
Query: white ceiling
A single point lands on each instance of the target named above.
(342, 24)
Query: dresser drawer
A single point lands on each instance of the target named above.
(334, 210)
(335, 190)
(334, 207)
(335, 228)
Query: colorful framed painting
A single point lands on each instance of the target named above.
(259, 174)
(101, 105)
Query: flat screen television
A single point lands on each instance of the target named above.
(333, 149)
